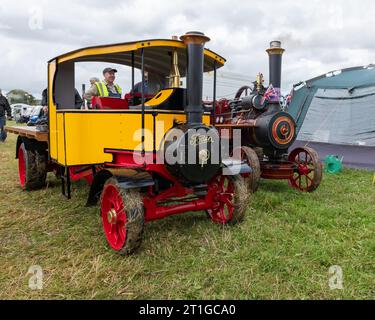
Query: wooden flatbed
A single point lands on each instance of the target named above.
(28, 132)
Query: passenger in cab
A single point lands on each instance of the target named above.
(93, 82)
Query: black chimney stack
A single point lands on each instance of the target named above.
(275, 53)
(195, 42)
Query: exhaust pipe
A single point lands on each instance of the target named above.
(195, 42)
(174, 76)
(275, 53)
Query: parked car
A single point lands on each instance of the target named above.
(21, 112)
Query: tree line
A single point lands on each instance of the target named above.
(21, 96)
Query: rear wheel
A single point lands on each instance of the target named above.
(230, 199)
(32, 168)
(122, 217)
(252, 159)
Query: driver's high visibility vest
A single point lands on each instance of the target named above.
(104, 92)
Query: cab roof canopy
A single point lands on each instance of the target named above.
(157, 55)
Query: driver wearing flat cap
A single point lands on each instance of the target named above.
(105, 88)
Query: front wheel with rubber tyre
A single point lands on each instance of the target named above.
(32, 168)
(123, 217)
(231, 197)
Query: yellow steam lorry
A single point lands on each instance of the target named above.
(143, 162)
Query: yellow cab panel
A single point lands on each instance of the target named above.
(83, 134)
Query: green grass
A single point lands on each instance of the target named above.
(283, 250)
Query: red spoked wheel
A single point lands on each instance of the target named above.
(230, 199)
(21, 166)
(308, 173)
(122, 217)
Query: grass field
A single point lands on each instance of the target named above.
(283, 250)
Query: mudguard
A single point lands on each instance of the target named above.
(31, 144)
(232, 167)
(127, 178)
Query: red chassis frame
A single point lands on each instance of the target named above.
(153, 209)
(155, 204)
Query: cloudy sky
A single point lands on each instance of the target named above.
(319, 36)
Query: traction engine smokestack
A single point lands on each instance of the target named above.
(275, 53)
(195, 42)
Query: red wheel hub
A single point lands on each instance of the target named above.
(303, 169)
(113, 217)
(21, 166)
(222, 209)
